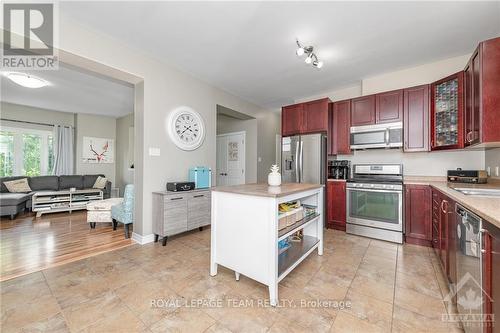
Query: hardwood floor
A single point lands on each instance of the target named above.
(30, 244)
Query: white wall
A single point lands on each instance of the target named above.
(414, 76)
(124, 152)
(226, 125)
(164, 89)
(336, 95)
(268, 127)
(492, 160)
(28, 113)
(421, 164)
(99, 127)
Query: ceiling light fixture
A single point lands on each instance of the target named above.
(311, 56)
(26, 80)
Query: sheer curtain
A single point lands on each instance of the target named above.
(63, 150)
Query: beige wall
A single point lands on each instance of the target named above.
(28, 113)
(226, 125)
(268, 127)
(164, 89)
(124, 151)
(414, 76)
(492, 160)
(99, 127)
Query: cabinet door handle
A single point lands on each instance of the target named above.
(179, 198)
(198, 196)
(469, 136)
(443, 203)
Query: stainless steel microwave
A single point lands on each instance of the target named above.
(388, 135)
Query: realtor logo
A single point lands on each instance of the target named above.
(470, 298)
(28, 36)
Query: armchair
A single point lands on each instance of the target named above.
(124, 212)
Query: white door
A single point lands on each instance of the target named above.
(231, 159)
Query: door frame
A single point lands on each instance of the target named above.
(244, 165)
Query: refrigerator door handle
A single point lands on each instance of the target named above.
(301, 161)
(297, 176)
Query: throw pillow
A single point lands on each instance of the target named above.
(18, 185)
(100, 182)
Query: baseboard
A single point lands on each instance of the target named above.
(140, 239)
(418, 241)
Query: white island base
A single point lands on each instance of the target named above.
(245, 232)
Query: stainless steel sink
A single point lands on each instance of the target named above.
(482, 192)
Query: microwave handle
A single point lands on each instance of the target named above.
(386, 136)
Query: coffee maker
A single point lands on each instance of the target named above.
(338, 169)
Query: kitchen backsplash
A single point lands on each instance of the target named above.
(492, 160)
(421, 164)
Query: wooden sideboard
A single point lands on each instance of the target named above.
(177, 212)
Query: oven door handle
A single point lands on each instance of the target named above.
(373, 190)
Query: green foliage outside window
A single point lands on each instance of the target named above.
(6, 154)
(32, 155)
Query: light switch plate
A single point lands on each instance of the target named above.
(497, 171)
(154, 151)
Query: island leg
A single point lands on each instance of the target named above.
(273, 294)
(237, 276)
(213, 269)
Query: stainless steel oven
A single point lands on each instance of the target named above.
(375, 202)
(388, 135)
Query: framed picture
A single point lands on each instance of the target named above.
(98, 150)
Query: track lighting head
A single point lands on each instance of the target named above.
(318, 64)
(308, 51)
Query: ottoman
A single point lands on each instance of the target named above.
(100, 211)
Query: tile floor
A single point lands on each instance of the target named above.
(389, 287)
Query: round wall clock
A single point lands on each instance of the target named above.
(186, 128)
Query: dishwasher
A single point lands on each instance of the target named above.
(469, 292)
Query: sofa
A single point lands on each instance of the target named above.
(13, 203)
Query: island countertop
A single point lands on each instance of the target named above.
(264, 190)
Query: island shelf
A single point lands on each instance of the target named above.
(245, 235)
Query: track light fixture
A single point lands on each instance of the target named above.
(311, 57)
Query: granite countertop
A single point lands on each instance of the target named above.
(264, 190)
(487, 208)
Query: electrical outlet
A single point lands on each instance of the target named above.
(154, 151)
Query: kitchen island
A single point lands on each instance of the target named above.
(245, 231)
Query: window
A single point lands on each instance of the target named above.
(25, 152)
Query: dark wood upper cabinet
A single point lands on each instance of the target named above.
(416, 119)
(389, 107)
(336, 207)
(363, 111)
(447, 114)
(316, 116)
(418, 216)
(291, 119)
(339, 128)
(482, 100)
(309, 117)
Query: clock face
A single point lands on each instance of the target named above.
(186, 128)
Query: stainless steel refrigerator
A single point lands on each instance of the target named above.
(303, 159)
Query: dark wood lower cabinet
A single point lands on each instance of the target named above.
(491, 276)
(336, 207)
(418, 225)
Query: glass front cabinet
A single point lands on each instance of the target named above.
(447, 123)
